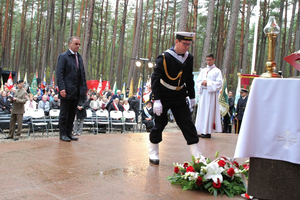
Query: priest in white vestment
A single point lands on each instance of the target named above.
(209, 83)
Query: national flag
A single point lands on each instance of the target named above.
(223, 99)
(131, 88)
(146, 96)
(237, 93)
(123, 90)
(43, 85)
(115, 88)
(140, 87)
(107, 85)
(52, 81)
(99, 85)
(33, 87)
(9, 84)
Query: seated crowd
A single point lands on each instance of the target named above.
(95, 101)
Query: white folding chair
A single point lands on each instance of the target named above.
(38, 120)
(116, 119)
(53, 118)
(129, 117)
(27, 117)
(102, 118)
(89, 120)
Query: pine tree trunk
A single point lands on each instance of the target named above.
(47, 39)
(229, 48)
(72, 19)
(289, 40)
(80, 18)
(209, 26)
(100, 41)
(135, 51)
(278, 41)
(183, 15)
(88, 35)
(246, 38)
(120, 69)
(297, 37)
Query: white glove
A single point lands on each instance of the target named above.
(157, 107)
(192, 103)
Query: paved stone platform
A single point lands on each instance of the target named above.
(104, 166)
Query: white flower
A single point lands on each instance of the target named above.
(191, 175)
(177, 165)
(214, 172)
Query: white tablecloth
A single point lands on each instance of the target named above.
(271, 123)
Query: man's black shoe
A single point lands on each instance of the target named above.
(65, 138)
(71, 137)
(15, 139)
(201, 135)
(206, 136)
(154, 161)
(8, 138)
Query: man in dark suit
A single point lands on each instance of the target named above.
(71, 81)
(118, 95)
(134, 104)
(3, 100)
(227, 117)
(240, 109)
(115, 105)
(147, 116)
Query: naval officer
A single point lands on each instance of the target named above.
(171, 82)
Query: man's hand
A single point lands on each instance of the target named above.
(204, 82)
(192, 103)
(63, 93)
(157, 107)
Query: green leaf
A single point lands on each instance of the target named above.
(228, 193)
(217, 154)
(215, 192)
(208, 185)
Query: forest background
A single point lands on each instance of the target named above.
(114, 33)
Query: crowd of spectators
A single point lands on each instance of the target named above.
(47, 99)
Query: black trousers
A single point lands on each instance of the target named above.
(67, 115)
(238, 126)
(227, 126)
(183, 119)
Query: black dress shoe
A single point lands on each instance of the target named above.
(8, 138)
(206, 136)
(200, 135)
(154, 161)
(71, 137)
(15, 139)
(65, 138)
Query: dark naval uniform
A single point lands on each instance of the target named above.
(240, 109)
(171, 83)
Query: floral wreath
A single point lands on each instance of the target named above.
(222, 175)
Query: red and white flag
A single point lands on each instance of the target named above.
(99, 85)
(9, 84)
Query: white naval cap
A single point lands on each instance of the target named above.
(185, 35)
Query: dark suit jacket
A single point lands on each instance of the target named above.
(111, 107)
(2, 104)
(70, 78)
(144, 116)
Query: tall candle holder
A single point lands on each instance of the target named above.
(271, 30)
